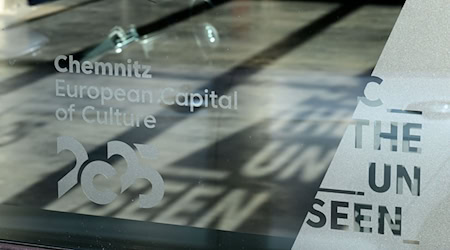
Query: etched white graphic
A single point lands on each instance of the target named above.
(134, 172)
(387, 186)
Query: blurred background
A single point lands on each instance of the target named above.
(298, 67)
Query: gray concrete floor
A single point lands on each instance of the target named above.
(297, 72)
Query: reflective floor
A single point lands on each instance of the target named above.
(297, 68)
